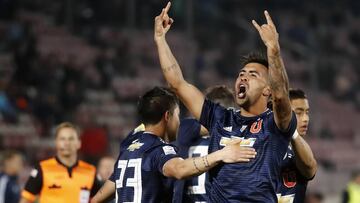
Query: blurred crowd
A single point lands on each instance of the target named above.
(88, 61)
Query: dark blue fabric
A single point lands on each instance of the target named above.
(257, 180)
(191, 144)
(292, 183)
(139, 166)
(11, 191)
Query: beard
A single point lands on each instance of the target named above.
(244, 103)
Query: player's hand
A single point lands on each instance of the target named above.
(162, 23)
(268, 32)
(233, 152)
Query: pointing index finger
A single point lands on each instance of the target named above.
(167, 8)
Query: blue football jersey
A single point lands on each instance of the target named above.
(254, 181)
(191, 144)
(293, 185)
(138, 170)
(9, 188)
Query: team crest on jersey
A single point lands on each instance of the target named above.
(249, 142)
(135, 145)
(289, 178)
(256, 127)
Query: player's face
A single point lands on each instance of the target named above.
(15, 164)
(301, 109)
(173, 124)
(67, 142)
(250, 84)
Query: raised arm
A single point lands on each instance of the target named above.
(188, 94)
(305, 160)
(278, 78)
(232, 153)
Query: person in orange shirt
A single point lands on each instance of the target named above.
(63, 178)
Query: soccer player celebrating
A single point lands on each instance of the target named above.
(193, 140)
(269, 132)
(146, 159)
(299, 164)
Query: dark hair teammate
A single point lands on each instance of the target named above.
(299, 165)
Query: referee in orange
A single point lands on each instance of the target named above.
(63, 178)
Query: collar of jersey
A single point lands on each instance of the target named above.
(73, 166)
(266, 112)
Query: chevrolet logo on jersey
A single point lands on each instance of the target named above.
(135, 145)
(249, 142)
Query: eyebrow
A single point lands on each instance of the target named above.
(250, 71)
(253, 71)
(301, 109)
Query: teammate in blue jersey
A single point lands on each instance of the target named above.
(269, 132)
(193, 140)
(299, 165)
(146, 160)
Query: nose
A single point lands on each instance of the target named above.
(243, 78)
(305, 118)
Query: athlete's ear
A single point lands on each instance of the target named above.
(167, 116)
(267, 91)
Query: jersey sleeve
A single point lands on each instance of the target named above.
(210, 113)
(33, 185)
(291, 129)
(162, 154)
(189, 130)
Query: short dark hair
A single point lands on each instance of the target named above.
(220, 94)
(255, 57)
(154, 103)
(66, 125)
(297, 94)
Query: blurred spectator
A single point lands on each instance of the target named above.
(7, 110)
(352, 192)
(12, 164)
(314, 197)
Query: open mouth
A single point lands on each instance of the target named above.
(304, 127)
(242, 91)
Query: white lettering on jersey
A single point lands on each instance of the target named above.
(249, 142)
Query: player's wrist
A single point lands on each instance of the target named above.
(159, 40)
(273, 49)
(216, 156)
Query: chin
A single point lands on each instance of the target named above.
(242, 102)
(302, 133)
